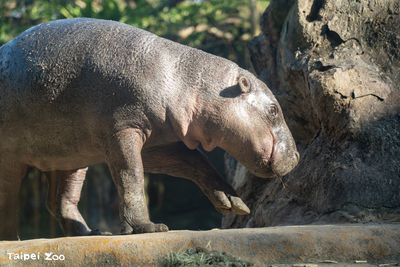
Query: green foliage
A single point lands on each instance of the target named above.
(221, 27)
(198, 257)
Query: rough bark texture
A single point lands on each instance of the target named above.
(334, 67)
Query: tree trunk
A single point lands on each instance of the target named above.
(334, 67)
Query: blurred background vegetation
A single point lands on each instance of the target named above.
(220, 27)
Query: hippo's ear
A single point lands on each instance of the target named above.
(244, 84)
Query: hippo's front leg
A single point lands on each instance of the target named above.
(179, 161)
(123, 154)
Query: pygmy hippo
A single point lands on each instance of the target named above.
(80, 91)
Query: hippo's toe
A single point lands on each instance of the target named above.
(226, 204)
(238, 206)
(160, 227)
(98, 232)
(221, 202)
(149, 228)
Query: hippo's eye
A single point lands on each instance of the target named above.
(273, 110)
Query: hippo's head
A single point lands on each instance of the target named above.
(248, 123)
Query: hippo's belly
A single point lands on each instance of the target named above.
(81, 160)
(60, 144)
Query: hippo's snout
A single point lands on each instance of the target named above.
(287, 165)
(278, 167)
(297, 157)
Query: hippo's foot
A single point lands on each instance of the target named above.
(98, 232)
(227, 204)
(144, 228)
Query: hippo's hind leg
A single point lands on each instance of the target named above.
(179, 161)
(11, 174)
(62, 201)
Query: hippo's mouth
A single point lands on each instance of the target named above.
(277, 163)
(265, 166)
(265, 172)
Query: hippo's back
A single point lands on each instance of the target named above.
(44, 61)
(60, 83)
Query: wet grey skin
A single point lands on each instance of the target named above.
(80, 91)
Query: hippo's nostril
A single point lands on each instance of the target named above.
(297, 155)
